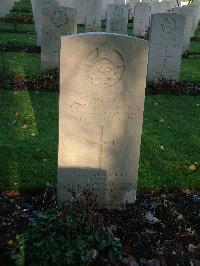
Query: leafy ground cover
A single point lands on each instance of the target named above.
(159, 229)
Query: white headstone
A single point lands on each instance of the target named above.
(141, 22)
(93, 23)
(195, 10)
(117, 19)
(56, 22)
(188, 25)
(102, 90)
(93, 16)
(131, 6)
(165, 47)
(38, 16)
(105, 4)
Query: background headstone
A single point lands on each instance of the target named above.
(56, 22)
(102, 90)
(141, 22)
(117, 19)
(38, 16)
(93, 16)
(165, 47)
(188, 25)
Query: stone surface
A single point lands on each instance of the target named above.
(38, 16)
(5, 7)
(105, 4)
(131, 6)
(57, 21)
(117, 19)
(102, 90)
(194, 8)
(93, 23)
(188, 25)
(165, 47)
(141, 22)
(93, 16)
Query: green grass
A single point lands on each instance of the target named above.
(194, 47)
(24, 6)
(21, 63)
(190, 69)
(170, 142)
(11, 27)
(17, 39)
(29, 132)
(27, 161)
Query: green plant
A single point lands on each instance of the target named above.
(71, 236)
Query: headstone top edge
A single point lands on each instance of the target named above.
(104, 34)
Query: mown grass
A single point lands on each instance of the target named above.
(29, 137)
(29, 131)
(16, 28)
(17, 39)
(194, 47)
(190, 69)
(22, 64)
(24, 6)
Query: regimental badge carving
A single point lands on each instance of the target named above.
(106, 66)
(117, 11)
(59, 19)
(168, 25)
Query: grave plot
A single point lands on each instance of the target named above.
(162, 227)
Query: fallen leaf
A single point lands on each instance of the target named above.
(180, 217)
(149, 217)
(10, 242)
(191, 248)
(162, 120)
(24, 126)
(192, 167)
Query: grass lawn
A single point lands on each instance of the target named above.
(21, 63)
(17, 39)
(29, 132)
(190, 69)
(194, 47)
(15, 28)
(24, 6)
(28, 124)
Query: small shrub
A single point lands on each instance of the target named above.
(71, 236)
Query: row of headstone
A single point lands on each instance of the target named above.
(58, 21)
(102, 89)
(6, 6)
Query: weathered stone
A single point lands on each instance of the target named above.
(117, 19)
(141, 23)
(166, 40)
(56, 22)
(188, 25)
(102, 90)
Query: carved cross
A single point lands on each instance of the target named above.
(166, 56)
(100, 144)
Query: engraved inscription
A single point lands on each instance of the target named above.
(106, 66)
(102, 110)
